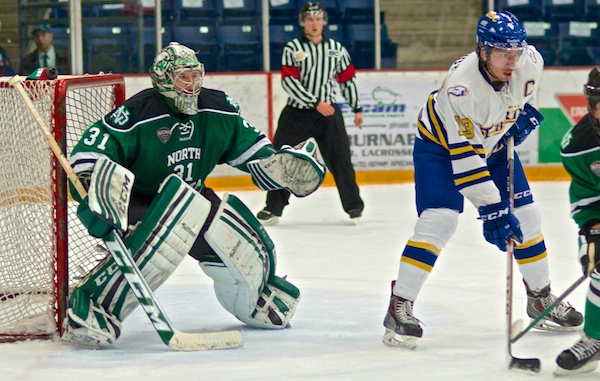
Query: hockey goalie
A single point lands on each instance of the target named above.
(144, 165)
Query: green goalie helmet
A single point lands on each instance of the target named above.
(178, 64)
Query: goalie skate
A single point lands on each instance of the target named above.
(71, 338)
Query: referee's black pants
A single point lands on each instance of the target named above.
(295, 126)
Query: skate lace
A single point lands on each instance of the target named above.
(404, 312)
(585, 348)
(560, 310)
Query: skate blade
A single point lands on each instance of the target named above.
(546, 325)
(270, 222)
(391, 339)
(589, 367)
(77, 341)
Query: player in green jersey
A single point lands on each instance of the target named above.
(581, 158)
(169, 139)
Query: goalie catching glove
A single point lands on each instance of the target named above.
(295, 169)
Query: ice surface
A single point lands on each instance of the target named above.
(343, 272)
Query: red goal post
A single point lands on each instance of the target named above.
(43, 248)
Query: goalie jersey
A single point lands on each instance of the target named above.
(468, 116)
(187, 145)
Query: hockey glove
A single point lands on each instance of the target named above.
(589, 251)
(296, 169)
(499, 224)
(96, 226)
(528, 120)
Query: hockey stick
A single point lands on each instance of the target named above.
(172, 337)
(526, 364)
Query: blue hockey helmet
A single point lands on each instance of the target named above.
(500, 30)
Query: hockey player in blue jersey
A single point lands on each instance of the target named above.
(460, 151)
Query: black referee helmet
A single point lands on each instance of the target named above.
(311, 8)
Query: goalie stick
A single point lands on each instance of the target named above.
(173, 338)
(526, 364)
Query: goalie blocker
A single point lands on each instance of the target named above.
(244, 273)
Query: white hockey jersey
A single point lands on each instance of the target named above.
(468, 117)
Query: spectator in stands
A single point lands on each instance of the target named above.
(5, 68)
(313, 66)
(45, 54)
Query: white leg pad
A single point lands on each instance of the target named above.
(245, 283)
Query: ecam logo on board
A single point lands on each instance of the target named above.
(369, 108)
(574, 106)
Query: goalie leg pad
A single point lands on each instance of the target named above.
(166, 234)
(296, 169)
(245, 281)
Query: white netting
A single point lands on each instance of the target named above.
(28, 231)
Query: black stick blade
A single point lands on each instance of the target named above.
(529, 365)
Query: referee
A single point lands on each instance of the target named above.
(312, 66)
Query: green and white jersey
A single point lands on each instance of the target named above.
(581, 158)
(146, 136)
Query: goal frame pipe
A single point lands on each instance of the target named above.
(61, 195)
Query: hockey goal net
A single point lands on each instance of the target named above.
(43, 247)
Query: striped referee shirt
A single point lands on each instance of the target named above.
(310, 71)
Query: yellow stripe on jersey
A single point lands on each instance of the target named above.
(473, 177)
(425, 132)
(460, 150)
(436, 123)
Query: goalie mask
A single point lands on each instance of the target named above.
(177, 74)
(501, 30)
(311, 8)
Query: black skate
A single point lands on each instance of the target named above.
(563, 316)
(402, 328)
(582, 357)
(266, 217)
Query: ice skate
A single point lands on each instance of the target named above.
(402, 328)
(266, 217)
(582, 357)
(563, 316)
(355, 216)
